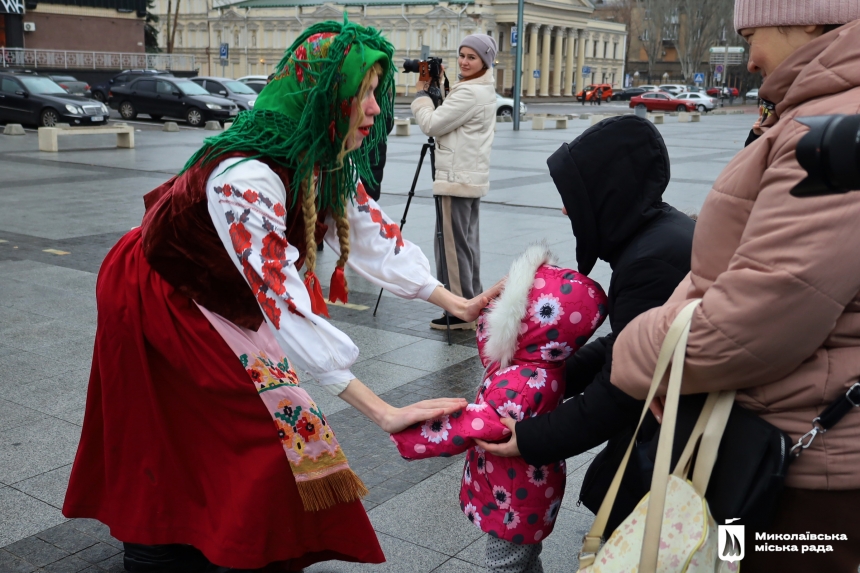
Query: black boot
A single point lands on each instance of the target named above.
(163, 559)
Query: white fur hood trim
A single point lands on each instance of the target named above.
(509, 310)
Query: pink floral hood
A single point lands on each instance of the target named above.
(541, 316)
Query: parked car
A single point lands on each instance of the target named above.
(256, 83)
(237, 92)
(591, 92)
(160, 96)
(703, 102)
(659, 101)
(101, 91)
(719, 91)
(627, 93)
(505, 106)
(673, 89)
(649, 88)
(38, 100)
(752, 94)
(694, 89)
(72, 85)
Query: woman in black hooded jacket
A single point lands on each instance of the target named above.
(611, 180)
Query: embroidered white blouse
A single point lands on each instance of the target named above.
(247, 204)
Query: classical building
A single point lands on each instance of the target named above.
(560, 41)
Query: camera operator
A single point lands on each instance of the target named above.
(463, 127)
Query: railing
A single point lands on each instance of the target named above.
(62, 59)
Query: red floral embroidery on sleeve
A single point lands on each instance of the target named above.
(256, 283)
(250, 196)
(241, 238)
(279, 210)
(274, 247)
(270, 309)
(386, 230)
(274, 276)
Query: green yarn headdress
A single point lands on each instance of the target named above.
(301, 117)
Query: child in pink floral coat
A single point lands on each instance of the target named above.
(544, 314)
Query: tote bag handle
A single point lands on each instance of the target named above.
(680, 327)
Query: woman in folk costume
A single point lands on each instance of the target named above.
(199, 449)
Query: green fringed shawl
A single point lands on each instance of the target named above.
(302, 116)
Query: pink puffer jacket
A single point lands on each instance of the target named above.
(778, 276)
(544, 315)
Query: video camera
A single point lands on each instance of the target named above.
(429, 71)
(830, 154)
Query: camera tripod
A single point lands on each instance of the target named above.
(430, 147)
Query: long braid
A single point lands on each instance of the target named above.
(309, 212)
(342, 224)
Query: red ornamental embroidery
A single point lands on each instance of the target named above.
(254, 281)
(274, 276)
(279, 210)
(272, 312)
(240, 237)
(386, 230)
(274, 247)
(250, 196)
(225, 190)
(346, 107)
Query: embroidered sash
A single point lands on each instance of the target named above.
(319, 466)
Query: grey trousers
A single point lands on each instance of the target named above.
(506, 557)
(460, 226)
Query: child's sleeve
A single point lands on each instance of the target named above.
(451, 434)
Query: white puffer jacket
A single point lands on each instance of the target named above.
(463, 128)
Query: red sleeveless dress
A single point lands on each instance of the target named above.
(177, 447)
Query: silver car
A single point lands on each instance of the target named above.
(505, 106)
(234, 90)
(703, 101)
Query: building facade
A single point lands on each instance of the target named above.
(561, 38)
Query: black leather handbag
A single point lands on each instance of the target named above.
(746, 481)
(749, 473)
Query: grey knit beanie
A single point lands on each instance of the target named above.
(761, 13)
(484, 45)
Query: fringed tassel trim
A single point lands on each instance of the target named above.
(337, 290)
(340, 487)
(318, 306)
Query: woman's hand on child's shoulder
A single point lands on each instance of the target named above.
(506, 449)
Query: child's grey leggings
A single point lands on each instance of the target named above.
(506, 557)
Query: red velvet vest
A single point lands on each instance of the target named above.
(180, 242)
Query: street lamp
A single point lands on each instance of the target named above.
(518, 65)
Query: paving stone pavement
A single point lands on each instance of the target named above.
(61, 212)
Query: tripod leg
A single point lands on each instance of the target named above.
(409, 197)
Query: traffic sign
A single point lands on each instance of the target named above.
(225, 51)
(585, 70)
(536, 74)
(698, 78)
(719, 68)
(514, 36)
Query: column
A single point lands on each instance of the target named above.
(558, 40)
(544, 61)
(568, 63)
(580, 61)
(533, 47)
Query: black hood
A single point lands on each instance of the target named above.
(611, 180)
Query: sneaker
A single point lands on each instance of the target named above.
(456, 324)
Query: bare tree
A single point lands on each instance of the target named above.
(170, 33)
(701, 22)
(655, 24)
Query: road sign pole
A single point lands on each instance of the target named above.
(725, 68)
(518, 66)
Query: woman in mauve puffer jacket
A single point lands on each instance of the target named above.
(779, 278)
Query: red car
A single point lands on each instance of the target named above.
(661, 101)
(717, 91)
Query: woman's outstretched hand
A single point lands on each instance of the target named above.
(465, 309)
(507, 449)
(397, 419)
(390, 418)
